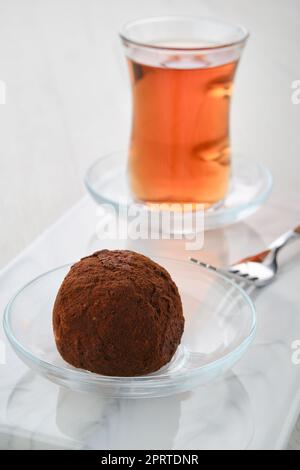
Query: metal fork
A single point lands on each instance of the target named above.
(260, 269)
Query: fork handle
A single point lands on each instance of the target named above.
(285, 239)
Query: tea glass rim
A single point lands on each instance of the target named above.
(123, 33)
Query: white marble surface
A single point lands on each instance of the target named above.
(254, 407)
(67, 101)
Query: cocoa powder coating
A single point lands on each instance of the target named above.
(118, 313)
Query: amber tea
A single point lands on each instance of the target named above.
(180, 140)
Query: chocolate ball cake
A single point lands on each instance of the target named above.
(118, 313)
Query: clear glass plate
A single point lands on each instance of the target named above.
(220, 325)
(251, 183)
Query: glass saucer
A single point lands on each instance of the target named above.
(220, 324)
(251, 183)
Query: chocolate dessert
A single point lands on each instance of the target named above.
(118, 313)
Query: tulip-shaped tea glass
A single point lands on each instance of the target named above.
(182, 71)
